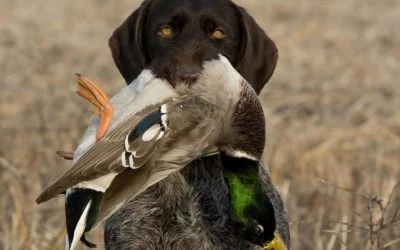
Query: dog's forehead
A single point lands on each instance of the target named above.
(192, 2)
(195, 6)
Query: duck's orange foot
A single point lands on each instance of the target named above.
(96, 96)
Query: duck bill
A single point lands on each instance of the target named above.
(275, 244)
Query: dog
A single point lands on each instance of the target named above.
(189, 209)
(174, 37)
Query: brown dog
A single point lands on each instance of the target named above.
(174, 37)
(190, 209)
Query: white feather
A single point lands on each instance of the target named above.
(151, 132)
(163, 109)
(142, 80)
(131, 162)
(66, 243)
(100, 184)
(126, 143)
(164, 121)
(160, 135)
(219, 71)
(123, 160)
(240, 154)
(80, 227)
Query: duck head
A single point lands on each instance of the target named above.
(241, 146)
(251, 210)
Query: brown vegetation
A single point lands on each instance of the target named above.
(332, 108)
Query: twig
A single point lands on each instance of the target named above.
(7, 165)
(332, 240)
(348, 190)
(344, 233)
(391, 243)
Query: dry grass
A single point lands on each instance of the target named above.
(332, 108)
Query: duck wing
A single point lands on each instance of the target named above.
(99, 165)
(132, 182)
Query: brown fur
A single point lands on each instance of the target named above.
(136, 45)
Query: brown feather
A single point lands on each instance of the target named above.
(99, 160)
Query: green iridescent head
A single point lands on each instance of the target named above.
(250, 207)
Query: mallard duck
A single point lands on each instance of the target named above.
(150, 143)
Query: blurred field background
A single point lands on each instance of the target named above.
(333, 109)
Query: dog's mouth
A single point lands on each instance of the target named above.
(187, 80)
(178, 75)
(184, 75)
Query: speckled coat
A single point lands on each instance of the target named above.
(187, 210)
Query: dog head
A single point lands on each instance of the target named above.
(174, 37)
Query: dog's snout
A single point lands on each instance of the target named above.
(187, 75)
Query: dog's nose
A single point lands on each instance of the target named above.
(187, 75)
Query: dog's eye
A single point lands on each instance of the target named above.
(217, 34)
(166, 31)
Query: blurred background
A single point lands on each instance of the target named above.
(332, 107)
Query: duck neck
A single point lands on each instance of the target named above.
(249, 204)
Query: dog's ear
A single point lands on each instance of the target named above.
(258, 54)
(126, 44)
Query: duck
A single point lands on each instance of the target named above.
(136, 147)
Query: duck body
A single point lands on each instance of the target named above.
(153, 140)
(193, 209)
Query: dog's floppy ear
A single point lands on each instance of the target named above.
(258, 54)
(127, 46)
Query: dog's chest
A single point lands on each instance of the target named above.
(188, 210)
